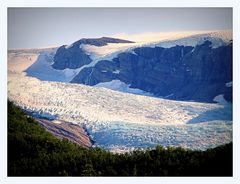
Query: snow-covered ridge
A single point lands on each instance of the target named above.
(111, 50)
(124, 121)
(107, 52)
(151, 37)
(218, 39)
(43, 70)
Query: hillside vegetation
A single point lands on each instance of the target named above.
(32, 151)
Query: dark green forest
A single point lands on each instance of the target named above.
(32, 151)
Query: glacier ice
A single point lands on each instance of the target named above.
(120, 121)
(118, 85)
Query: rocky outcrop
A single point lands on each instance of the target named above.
(101, 41)
(181, 72)
(66, 130)
(72, 58)
(103, 71)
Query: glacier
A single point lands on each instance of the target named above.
(122, 122)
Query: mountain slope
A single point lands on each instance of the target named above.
(187, 73)
(193, 68)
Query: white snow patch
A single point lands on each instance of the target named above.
(118, 85)
(220, 99)
(56, 122)
(68, 46)
(116, 71)
(132, 52)
(228, 84)
(169, 95)
(107, 51)
(18, 61)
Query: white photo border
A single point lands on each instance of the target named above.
(5, 4)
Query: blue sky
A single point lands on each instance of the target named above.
(41, 27)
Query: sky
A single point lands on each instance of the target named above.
(44, 27)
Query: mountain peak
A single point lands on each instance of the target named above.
(100, 41)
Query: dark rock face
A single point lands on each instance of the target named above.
(102, 72)
(101, 41)
(67, 130)
(74, 57)
(181, 72)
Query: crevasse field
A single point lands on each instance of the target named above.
(121, 121)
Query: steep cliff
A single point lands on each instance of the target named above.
(181, 72)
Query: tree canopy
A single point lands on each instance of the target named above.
(32, 151)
